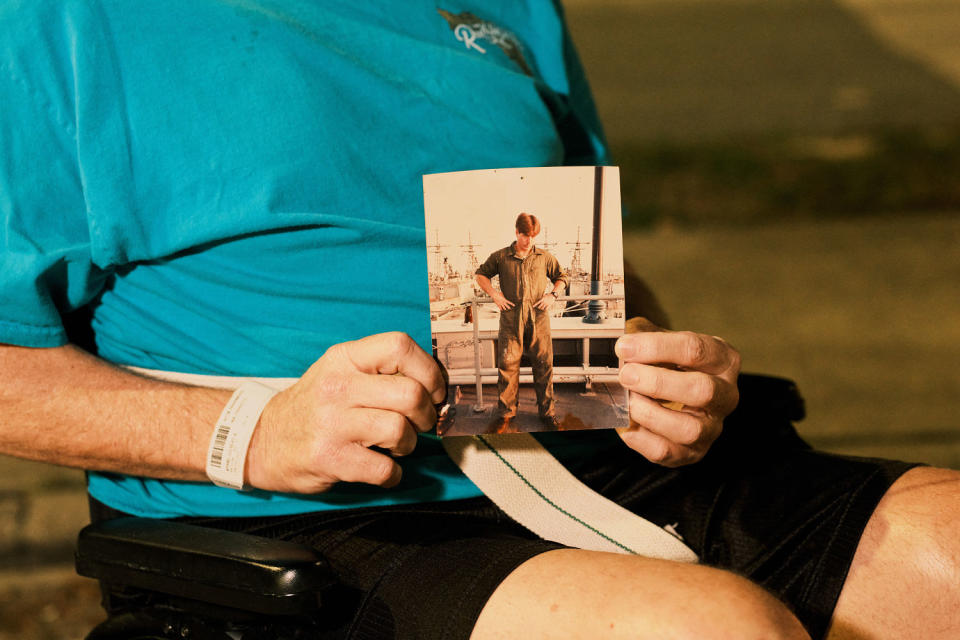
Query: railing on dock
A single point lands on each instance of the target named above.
(584, 372)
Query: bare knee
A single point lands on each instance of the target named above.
(937, 509)
(915, 531)
(571, 593)
(734, 607)
(905, 576)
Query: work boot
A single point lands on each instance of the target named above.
(550, 423)
(500, 424)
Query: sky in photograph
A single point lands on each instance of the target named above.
(482, 206)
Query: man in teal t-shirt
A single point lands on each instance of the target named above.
(194, 177)
(221, 166)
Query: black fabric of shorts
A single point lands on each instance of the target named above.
(762, 503)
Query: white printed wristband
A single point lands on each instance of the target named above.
(227, 453)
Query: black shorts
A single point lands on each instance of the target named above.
(761, 504)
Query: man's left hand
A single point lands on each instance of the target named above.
(682, 386)
(545, 302)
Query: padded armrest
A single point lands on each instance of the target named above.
(231, 569)
(770, 396)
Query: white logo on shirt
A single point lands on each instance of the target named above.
(468, 36)
(469, 28)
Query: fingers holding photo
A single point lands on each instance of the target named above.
(670, 436)
(715, 394)
(395, 352)
(378, 391)
(695, 372)
(683, 349)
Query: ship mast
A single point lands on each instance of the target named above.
(576, 267)
(546, 244)
(438, 272)
(472, 262)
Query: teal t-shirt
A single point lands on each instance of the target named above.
(234, 186)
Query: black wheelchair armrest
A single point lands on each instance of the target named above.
(765, 396)
(236, 570)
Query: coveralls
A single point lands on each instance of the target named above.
(524, 328)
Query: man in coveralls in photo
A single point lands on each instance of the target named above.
(525, 271)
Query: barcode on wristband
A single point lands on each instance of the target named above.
(227, 452)
(219, 442)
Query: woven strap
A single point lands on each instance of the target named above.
(533, 488)
(522, 478)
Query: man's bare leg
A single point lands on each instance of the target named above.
(570, 593)
(905, 577)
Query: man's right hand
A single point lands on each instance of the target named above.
(378, 391)
(501, 301)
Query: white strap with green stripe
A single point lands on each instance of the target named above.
(533, 488)
(518, 474)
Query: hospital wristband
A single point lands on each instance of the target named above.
(227, 453)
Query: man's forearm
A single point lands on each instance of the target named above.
(64, 406)
(486, 284)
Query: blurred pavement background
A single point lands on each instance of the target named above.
(792, 175)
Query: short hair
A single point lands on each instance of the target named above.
(528, 224)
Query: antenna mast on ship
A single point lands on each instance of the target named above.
(438, 273)
(472, 262)
(576, 267)
(546, 242)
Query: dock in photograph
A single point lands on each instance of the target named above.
(602, 405)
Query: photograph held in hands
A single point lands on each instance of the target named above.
(526, 285)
